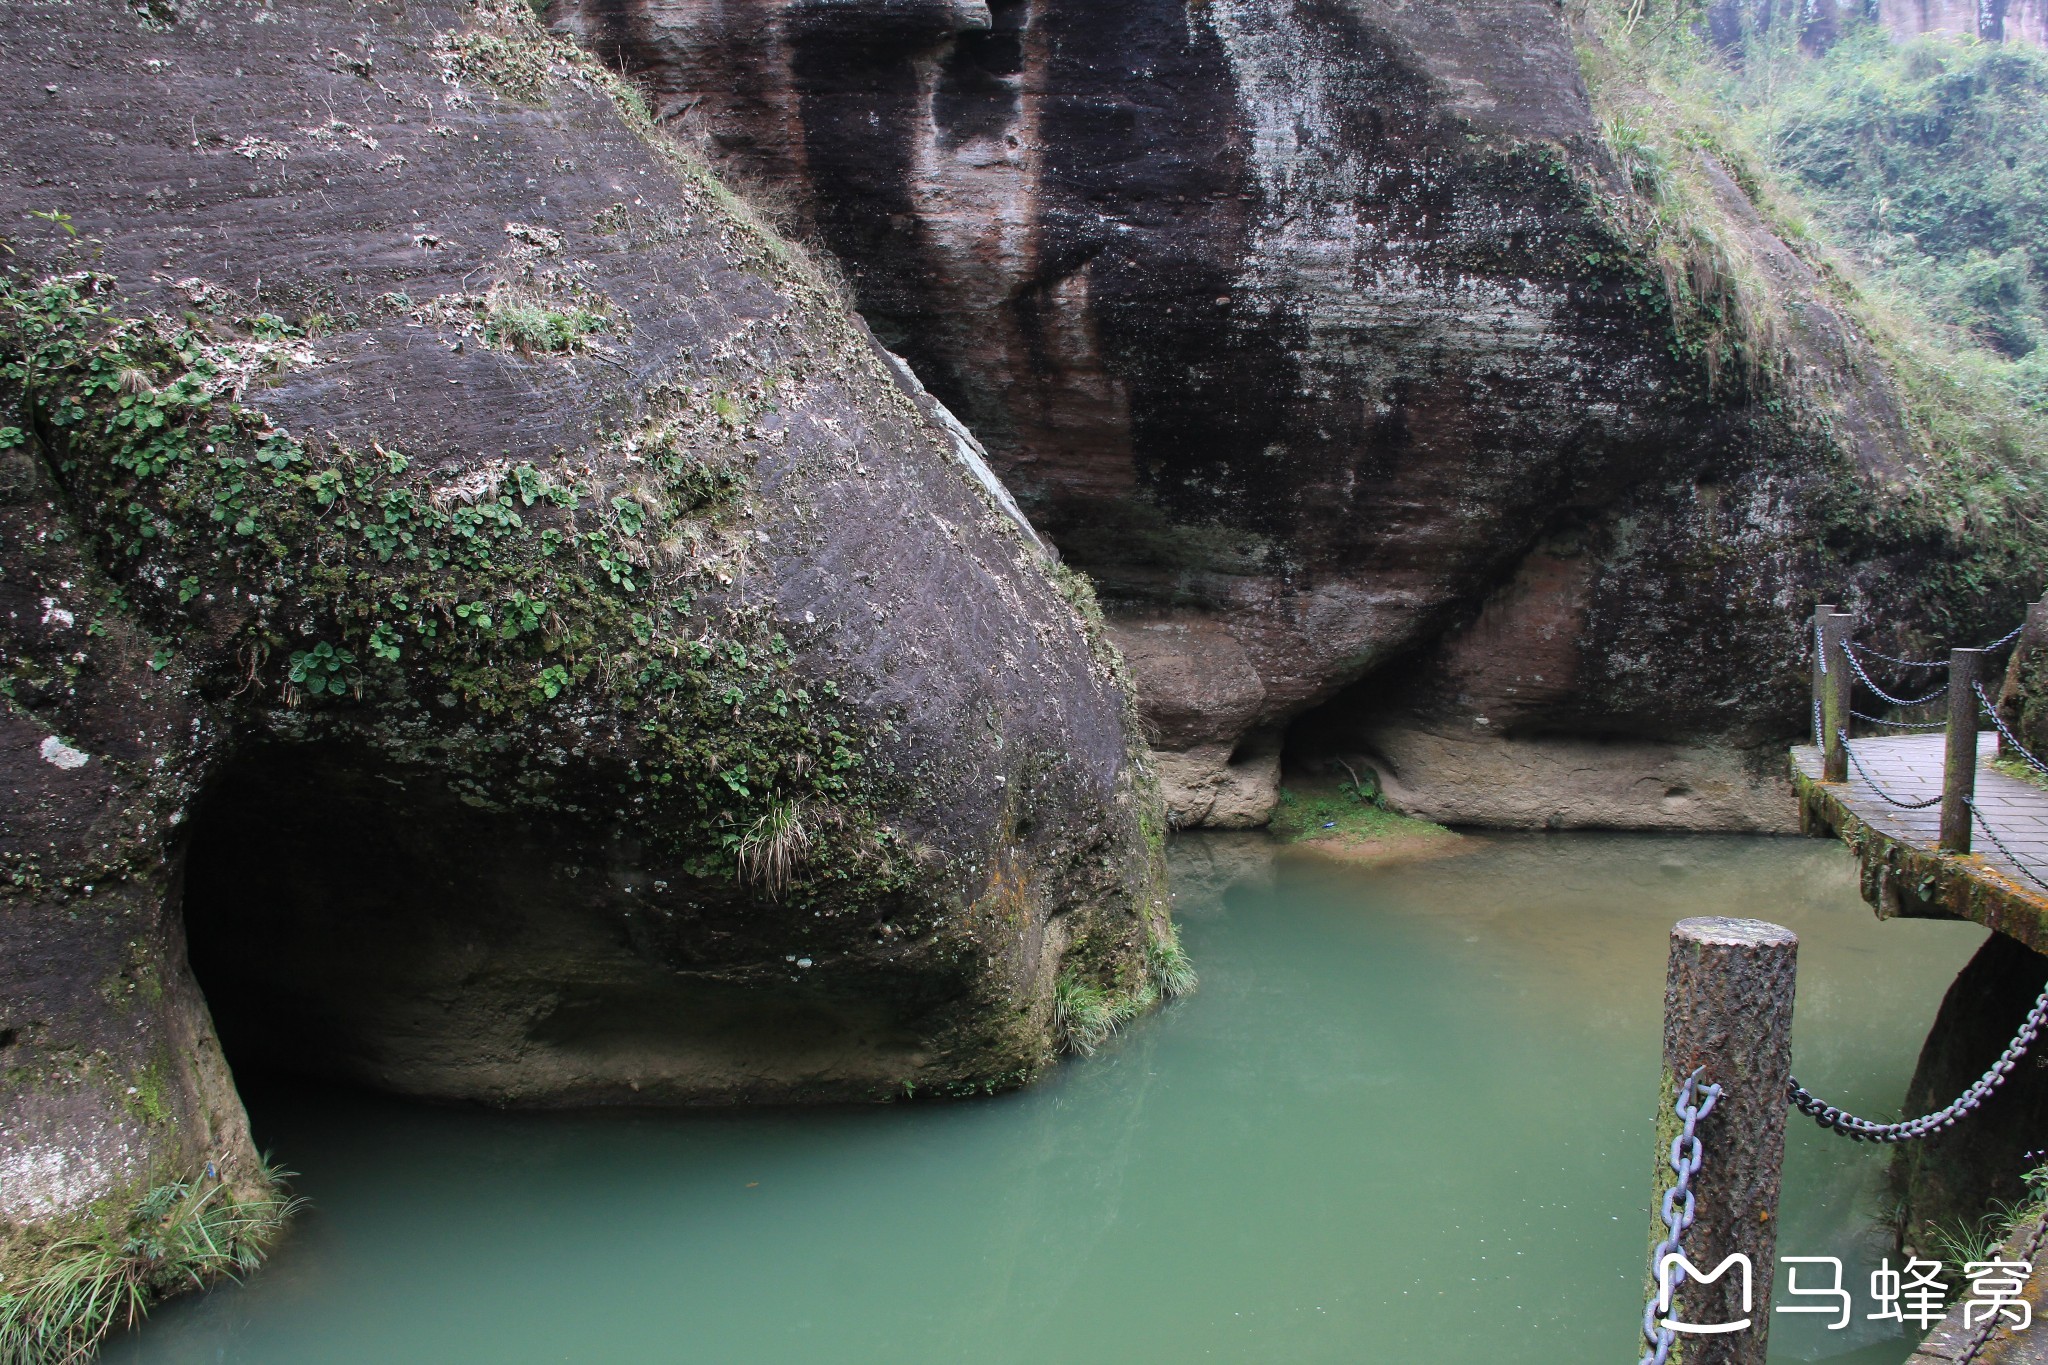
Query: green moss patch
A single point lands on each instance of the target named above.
(1344, 820)
(525, 594)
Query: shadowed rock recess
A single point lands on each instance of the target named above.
(1313, 331)
(481, 590)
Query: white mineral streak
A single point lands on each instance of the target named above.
(57, 752)
(40, 1181)
(968, 451)
(1350, 286)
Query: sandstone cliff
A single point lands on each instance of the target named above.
(1316, 334)
(485, 589)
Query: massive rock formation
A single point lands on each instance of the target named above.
(480, 582)
(1311, 331)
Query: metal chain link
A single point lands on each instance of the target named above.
(1864, 1130)
(1686, 1157)
(1999, 643)
(2006, 639)
(1999, 844)
(1871, 782)
(2012, 741)
(1902, 724)
(1849, 653)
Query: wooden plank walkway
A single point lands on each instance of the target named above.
(1904, 872)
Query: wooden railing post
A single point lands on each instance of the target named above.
(1834, 695)
(1959, 761)
(1820, 674)
(1728, 992)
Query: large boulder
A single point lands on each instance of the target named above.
(489, 598)
(1319, 335)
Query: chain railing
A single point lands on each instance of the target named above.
(1867, 1130)
(1840, 668)
(1878, 791)
(1849, 652)
(1692, 1105)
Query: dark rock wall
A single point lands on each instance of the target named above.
(1301, 327)
(608, 606)
(1951, 1180)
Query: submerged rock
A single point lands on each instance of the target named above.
(1317, 334)
(490, 591)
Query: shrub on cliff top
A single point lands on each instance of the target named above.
(1910, 180)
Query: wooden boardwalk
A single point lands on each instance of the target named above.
(1904, 872)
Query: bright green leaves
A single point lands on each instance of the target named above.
(632, 516)
(323, 669)
(612, 560)
(552, 682)
(529, 483)
(277, 450)
(523, 614)
(386, 642)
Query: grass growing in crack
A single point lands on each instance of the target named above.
(181, 1235)
(1085, 1015)
(512, 322)
(1172, 972)
(1956, 1245)
(774, 846)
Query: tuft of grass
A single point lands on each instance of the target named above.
(1085, 1015)
(1955, 1245)
(1172, 972)
(514, 322)
(181, 1235)
(774, 846)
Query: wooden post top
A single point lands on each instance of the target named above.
(1720, 931)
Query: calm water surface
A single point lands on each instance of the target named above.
(1407, 1118)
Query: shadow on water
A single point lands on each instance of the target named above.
(1405, 1118)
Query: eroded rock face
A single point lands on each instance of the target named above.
(1305, 329)
(463, 565)
(1953, 1178)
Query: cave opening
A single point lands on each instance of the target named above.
(350, 920)
(323, 902)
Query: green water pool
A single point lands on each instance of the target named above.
(1405, 1119)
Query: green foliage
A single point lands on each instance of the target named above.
(1910, 181)
(177, 1236)
(1955, 1245)
(1172, 971)
(1085, 1015)
(510, 598)
(771, 850)
(514, 322)
(323, 669)
(1929, 160)
(1348, 812)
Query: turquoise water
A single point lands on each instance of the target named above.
(1406, 1118)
